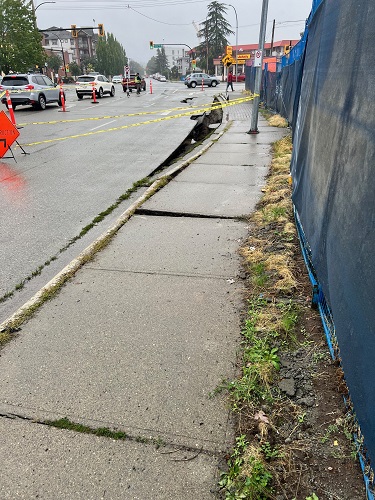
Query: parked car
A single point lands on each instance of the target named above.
(195, 79)
(162, 79)
(241, 77)
(129, 83)
(85, 83)
(117, 79)
(36, 90)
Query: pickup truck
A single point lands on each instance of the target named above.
(130, 83)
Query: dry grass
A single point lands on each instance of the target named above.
(278, 121)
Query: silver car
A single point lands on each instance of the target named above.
(195, 79)
(36, 90)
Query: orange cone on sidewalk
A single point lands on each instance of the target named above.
(10, 108)
(150, 86)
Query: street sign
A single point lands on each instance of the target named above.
(257, 58)
(228, 60)
(126, 72)
(229, 50)
(8, 133)
(243, 56)
(158, 45)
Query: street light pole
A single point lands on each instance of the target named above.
(207, 44)
(230, 5)
(258, 70)
(62, 52)
(37, 7)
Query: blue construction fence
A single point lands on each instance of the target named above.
(325, 89)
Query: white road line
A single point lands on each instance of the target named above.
(102, 125)
(90, 107)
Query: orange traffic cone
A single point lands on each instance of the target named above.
(10, 108)
(94, 101)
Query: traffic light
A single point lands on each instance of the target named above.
(101, 29)
(194, 63)
(67, 67)
(151, 45)
(74, 31)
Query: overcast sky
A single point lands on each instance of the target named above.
(135, 22)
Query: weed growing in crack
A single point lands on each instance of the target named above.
(65, 423)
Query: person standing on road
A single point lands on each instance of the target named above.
(137, 80)
(229, 81)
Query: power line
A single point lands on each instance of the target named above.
(161, 22)
(113, 4)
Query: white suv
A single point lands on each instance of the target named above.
(85, 84)
(36, 90)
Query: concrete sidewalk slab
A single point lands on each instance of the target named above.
(216, 200)
(226, 149)
(251, 175)
(175, 245)
(128, 348)
(265, 137)
(38, 461)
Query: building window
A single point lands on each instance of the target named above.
(54, 42)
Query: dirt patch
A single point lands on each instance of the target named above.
(294, 433)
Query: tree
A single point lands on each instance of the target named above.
(111, 56)
(152, 66)
(54, 62)
(75, 69)
(88, 64)
(174, 73)
(215, 31)
(162, 62)
(136, 67)
(20, 40)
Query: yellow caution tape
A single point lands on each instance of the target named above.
(138, 124)
(207, 107)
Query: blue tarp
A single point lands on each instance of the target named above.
(326, 90)
(334, 184)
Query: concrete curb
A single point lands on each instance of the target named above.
(25, 312)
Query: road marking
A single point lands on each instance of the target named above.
(102, 125)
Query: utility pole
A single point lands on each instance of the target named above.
(258, 70)
(207, 44)
(273, 34)
(230, 5)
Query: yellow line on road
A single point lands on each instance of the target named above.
(138, 124)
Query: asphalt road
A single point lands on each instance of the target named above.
(49, 195)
